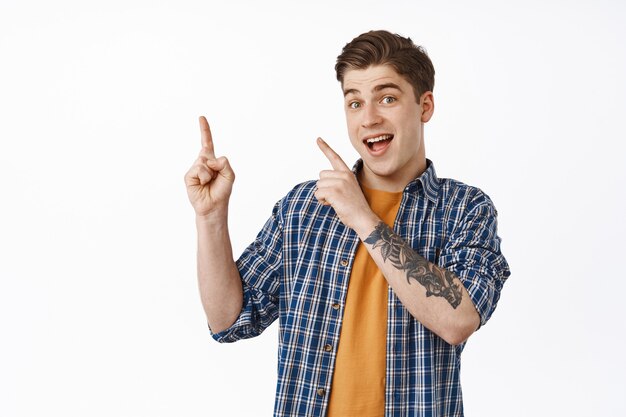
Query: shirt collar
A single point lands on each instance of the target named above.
(428, 181)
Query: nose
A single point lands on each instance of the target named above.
(371, 116)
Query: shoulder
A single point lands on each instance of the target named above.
(464, 197)
(300, 198)
(303, 190)
(300, 194)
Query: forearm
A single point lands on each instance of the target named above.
(218, 277)
(433, 295)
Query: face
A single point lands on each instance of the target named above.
(386, 126)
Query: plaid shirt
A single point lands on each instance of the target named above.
(297, 271)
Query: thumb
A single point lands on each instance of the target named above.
(222, 167)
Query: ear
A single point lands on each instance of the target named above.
(427, 101)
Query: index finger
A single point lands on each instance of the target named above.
(206, 138)
(335, 160)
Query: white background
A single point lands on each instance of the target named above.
(99, 311)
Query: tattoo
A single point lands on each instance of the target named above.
(437, 281)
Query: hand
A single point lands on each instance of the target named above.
(209, 180)
(340, 189)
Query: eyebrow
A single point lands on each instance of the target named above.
(377, 88)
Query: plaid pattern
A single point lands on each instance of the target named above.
(297, 271)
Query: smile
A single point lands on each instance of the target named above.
(378, 143)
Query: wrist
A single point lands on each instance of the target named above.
(215, 217)
(366, 225)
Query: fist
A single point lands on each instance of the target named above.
(210, 180)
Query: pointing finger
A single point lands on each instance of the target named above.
(206, 138)
(335, 160)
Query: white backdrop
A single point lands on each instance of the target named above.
(99, 311)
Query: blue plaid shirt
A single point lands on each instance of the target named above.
(297, 271)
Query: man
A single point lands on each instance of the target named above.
(378, 275)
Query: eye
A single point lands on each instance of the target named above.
(354, 104)
(388, 99)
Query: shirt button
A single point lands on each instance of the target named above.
(344, 262)
(335, 306)
(328, 347)
(321, 392)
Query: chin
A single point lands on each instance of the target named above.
(380, 169)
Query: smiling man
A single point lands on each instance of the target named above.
(377, 274)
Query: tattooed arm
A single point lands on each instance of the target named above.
(433, 295)
(438, 282)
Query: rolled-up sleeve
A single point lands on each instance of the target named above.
(472, 252)
(260, 267)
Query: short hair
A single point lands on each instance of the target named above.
(380, 47)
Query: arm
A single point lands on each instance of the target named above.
(218, 277)
(433, 295)
(209, 184)
(465, 285)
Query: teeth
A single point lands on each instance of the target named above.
(378, 138)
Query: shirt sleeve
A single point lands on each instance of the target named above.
(260, 267)
(472, 252)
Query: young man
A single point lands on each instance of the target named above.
(378, 275)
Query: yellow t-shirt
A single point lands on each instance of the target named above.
(358, 384)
